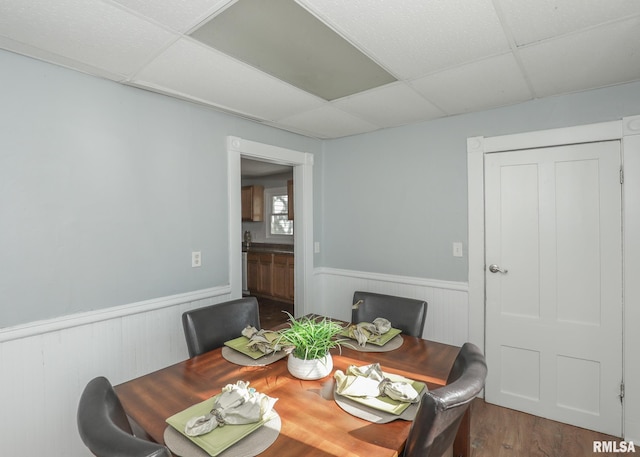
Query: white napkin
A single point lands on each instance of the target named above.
(365, 331)
(237, 404)
(266, 341)
(369, 381)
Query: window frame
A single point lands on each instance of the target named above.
(269, 193)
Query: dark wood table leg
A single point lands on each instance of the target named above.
(462, 443)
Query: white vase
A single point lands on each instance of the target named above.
(310, 369)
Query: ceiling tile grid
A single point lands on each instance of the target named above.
(595, 57)
(328, 122)
(178, 15)
(192, 70)
(51, 57)
(449, 56)
(390, 106)
(90, 31)
(418, 37)
(531, 22)
(488, 83)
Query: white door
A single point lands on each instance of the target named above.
(554, 312)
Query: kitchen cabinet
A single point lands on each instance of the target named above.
(259, 273)
(290, 199)
(265, 274)
(283, 276)
(252, 203)
(253, 271)
(271, 275)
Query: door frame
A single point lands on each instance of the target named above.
(627, 130)
(302, 163)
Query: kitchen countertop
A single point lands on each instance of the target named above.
(268, 247)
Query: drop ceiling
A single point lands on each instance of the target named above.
(437, 58)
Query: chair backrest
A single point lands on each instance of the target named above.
(209, 327)
(441, 410)
(406, 314)
(105, 428)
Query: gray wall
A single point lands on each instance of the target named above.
(106, 190)
(393, 201)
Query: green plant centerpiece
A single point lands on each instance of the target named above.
(311, 339)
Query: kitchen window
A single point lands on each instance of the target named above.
(278, 223)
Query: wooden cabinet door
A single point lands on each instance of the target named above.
(265, 276)
(252, 200)
(253, 271)
(281, 275)
(246, 197)
(271, 275)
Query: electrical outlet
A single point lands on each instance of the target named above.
(457, 249)
(196, 259)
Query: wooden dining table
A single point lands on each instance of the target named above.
(313, 424)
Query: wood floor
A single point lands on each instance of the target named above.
(272, 312)
(502, 432)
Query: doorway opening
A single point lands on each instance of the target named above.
(268, 254)
(283, 274)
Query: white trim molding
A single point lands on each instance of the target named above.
(90, 317)
(394, 279)
(302, 163)
(626, 130)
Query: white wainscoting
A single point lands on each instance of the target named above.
(447, 311)
(45, 365)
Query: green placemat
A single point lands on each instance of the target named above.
(387, 404)
(240, 345)
(219, 438)
(384, 339)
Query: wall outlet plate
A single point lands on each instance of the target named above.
(457, 249)
(196, 259)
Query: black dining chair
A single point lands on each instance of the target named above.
(209, 327)
(104, 427)
(406, 314)
(441, 410)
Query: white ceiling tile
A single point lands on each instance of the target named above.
(328, 122)
(191, 70)
(46, 56)
(454, 54)
(532, 21)
(90, 31)
(283, 39)
(496, 81)
(594, 58)
(180, 15)
(416, 37)
(390, 105)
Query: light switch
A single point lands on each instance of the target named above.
(457, 249)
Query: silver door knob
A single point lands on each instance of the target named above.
(493, 268)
